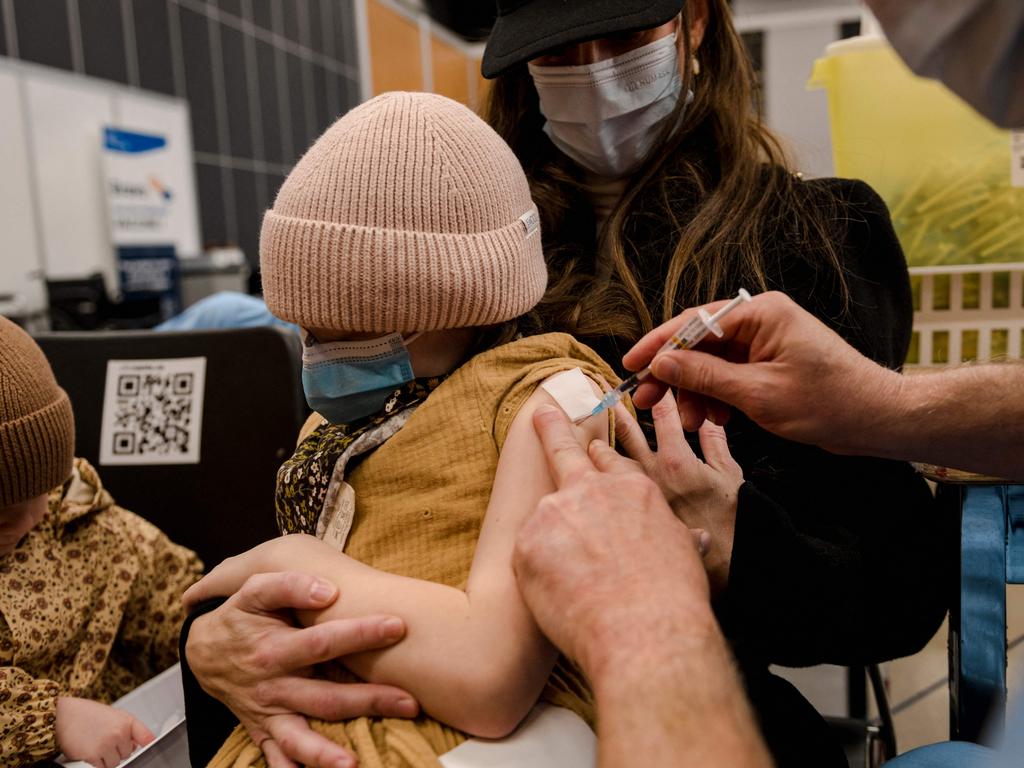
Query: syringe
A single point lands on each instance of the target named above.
(688, 335)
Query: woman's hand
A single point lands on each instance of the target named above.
(702, 494)
(249, 655)
(274, 556)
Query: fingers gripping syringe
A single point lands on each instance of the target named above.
(688, 335)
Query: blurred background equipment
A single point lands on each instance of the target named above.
(82, 304)
(944, 170)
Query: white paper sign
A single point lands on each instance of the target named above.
(1017, 158)
(153, 411)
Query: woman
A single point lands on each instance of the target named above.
(659, 187)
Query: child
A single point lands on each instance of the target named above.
(405, 243)
(89, 592)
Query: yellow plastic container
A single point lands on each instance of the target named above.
(943, 170)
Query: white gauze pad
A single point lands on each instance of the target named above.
(573, 392)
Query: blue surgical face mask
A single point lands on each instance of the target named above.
(348, 380)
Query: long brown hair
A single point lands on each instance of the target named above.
(716, 156)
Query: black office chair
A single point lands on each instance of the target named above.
(868, 741)
(82, 304)
(252, 411)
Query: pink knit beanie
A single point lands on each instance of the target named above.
(408, 214)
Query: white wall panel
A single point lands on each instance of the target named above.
(20, 259)
(66, 118)
(53, 205)
(798, 115)
(137, 111)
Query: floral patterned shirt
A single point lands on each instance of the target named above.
(89, 607)
(304, 479)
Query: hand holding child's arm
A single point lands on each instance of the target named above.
(248, 654)
(97, 733)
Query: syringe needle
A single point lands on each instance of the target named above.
(687, 336)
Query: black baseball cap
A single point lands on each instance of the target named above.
(527, 28)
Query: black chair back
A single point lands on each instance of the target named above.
(252, 409)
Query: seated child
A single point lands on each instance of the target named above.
(89, 592)
(406, 245)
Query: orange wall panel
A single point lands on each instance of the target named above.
(450, 71)
(395, 62)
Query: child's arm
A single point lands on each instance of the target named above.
(473, 659)
(154, 614)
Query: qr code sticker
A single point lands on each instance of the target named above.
(153, 411)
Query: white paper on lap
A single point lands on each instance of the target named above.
(160, 704)
(550, 737)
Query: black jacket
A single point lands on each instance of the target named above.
(836, 559)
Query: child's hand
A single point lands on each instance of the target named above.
(97, 733)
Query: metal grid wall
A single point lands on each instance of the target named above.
(263, 79)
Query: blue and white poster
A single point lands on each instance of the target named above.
(146, 188)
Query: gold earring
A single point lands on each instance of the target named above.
(694, 65)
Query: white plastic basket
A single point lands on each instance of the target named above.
(968, 312)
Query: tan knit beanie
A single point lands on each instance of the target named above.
(408, 214)
(37, 430)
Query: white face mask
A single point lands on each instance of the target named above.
(607, 115)
(973, 46)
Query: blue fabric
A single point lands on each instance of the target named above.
(1015, 534)
(227, 309)
(346, 381)
(952, 754)
(978, 630)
